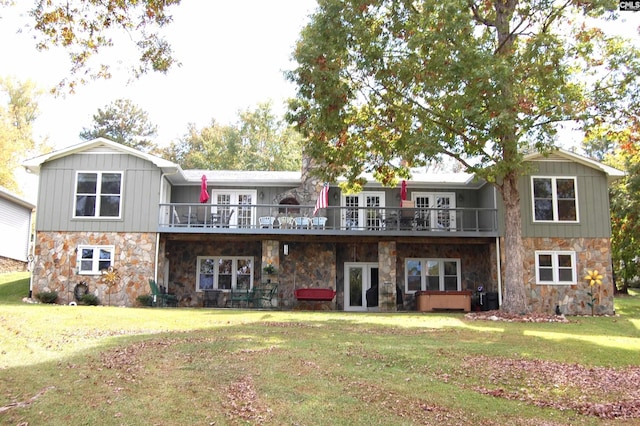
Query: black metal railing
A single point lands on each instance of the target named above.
(231, 218)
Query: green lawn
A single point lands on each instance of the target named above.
(141, 366)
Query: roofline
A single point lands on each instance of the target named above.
(4, 193)
(33, 165)
(612, 173)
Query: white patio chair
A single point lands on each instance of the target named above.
(318, 222)
(266, 221)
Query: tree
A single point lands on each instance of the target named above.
(124, 122)
(16, 119)
(622, 151)
(259, 141)
(214, 147)
(384, 86)
(267, 143)
(85, 28)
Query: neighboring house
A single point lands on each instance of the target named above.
(15, 228)
(109, 205)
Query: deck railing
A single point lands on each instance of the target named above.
(239, 218)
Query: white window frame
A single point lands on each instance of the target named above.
(95, 259)
(434, 223)
(423, 273)
(555, 267)
(554, 199)
(362, 221)
(98, 194)
(234, 195)
(234, 268)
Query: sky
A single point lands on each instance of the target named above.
(233, 55)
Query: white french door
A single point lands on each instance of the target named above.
(235, 207)
(358, 278)
(363, 211)
(436, 210)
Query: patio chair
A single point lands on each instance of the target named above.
(302, 222)
(318, 222)
(159, 298)
(226, 218)
(266, 221)
(286, 222)
(239, 295)
(407, 214)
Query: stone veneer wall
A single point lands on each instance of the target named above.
(183, 257)
(387, 276)
(308, 265)
(11, 265)
(477, 262)
(591, 253)
(55, 265)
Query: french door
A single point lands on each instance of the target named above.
(363, 211)
(436, 211)
(358, 278)
(235, 208)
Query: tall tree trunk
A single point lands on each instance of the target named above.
(515, 300)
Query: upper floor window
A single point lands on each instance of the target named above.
(432, 274)
(555, 267)
(555, 199)
(98, 194)
(93, 259)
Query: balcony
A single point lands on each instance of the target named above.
(287, 220)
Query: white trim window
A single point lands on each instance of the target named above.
(363, 211)
(92, 260)
(432, 274)
(235, 208)
(98, 194)
(556, 267)
(224, 273)
(555, 199)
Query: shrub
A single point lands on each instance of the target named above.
(89, 299)
(47, 296)
(144, 299)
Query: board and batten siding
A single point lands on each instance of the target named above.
(593, 202)
(15, 228)
(140, 193)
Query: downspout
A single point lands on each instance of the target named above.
(499, 271)
(498, 263)
(31, 259)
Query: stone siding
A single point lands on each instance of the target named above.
(308, 265)
(387, 276)
(55, 265)
(183, 258)
(591, 253)
(11, 265)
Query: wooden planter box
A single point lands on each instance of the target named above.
(427, 301)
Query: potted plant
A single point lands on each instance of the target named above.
(269, 269)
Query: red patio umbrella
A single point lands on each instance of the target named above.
(403, 190)
(204, 194)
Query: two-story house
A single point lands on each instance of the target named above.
(102, 204)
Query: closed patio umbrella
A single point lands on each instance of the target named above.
(403, 190)
(204, 195)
